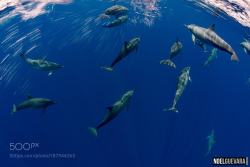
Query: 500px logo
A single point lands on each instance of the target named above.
(23, 146)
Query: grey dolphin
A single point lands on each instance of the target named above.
(211, 142)
(208, 36)
(246, 46)
(126, 49)
(211, 57)
(175, 49)
(113, 111)
(115, 10)
(182, 83)
(33, 103)
(41, 64)
(118, 21)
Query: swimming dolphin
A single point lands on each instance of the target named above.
(41, 64)
(175, 49)
(211, 57)
(208, 36)
(246, 46)
(182, 83)
(211, 142)
(118, 21)
(113, 111)
(168, 62)
(115, 10)
(33, 103)
(127, 48)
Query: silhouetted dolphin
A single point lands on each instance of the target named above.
(113, 111)
(127, 48)
(211, 142)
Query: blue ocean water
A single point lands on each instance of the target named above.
(144, 135)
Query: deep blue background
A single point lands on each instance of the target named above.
(145, 136)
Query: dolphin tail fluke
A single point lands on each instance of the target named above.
(110, 69)
(172, 109)
(234, 57)
(163, 61)
(14, 109)
(93, 131)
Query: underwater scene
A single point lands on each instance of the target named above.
(124, 83)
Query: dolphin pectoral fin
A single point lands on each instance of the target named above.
(50, 73)
(245, 50)
(189, 78)
(212, 27)
(110, 69)
(93, 131)
(171, 109)
(14, 109)
(163, 61)
(193, 38)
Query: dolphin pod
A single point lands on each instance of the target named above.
(200, 37)
(118, 12)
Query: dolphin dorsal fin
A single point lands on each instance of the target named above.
(29, 97)
(212, 27)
